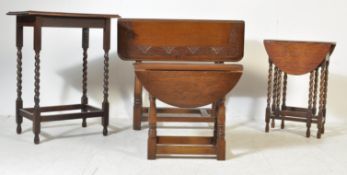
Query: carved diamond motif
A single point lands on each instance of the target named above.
(168, 49)
(144, 49)
(216, 50)
(193, 50)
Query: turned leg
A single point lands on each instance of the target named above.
(37, 113)
(19, 101)
(137, 113)
(84, 99)
(310, 101)
(274, 96)
(105, 103)
(321, 102)
(152, 132)
(284, 95)
(278, 93)
(315, 113)
(268, 106)
(220, 145)
(322, 129)
(315, 91)
(324, 111)
(322, 99)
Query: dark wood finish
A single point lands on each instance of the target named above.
(87, 112)
(184, 140)
(62, 14)
(126, 30)
(170, 115)
(38, 20)
(184, 119)
(220, 130)
(137, 114)
(201, 111)
(152, 131)
(180, 40)
(173, 149)
(106, 46)
(185, 86)
(179, 86)
(297, 58)
(85, 46)
(19, 101)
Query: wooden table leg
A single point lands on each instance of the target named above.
(315, 92)
(322, 100)
(325, 95)
(137, 112)
(274, 92)
(310, 102)
(105, 104)
(37, 113)
(19, 101)
(268, 106)
(278, 93)
(220, 145)
(85, 46)
(152, 132)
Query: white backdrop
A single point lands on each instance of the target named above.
(62, 53)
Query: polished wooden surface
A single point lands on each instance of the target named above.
(38, 20)
(186, 85)
(298, 57)
(61, 14)
(58, 19)
(187, 35)
(183, 85)
(186, 40)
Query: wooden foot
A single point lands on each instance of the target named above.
(84, 123)
(136, 127)
(151, 146)
(282, 124)
(105, 131)
(319, 134)
(272, 123)
(221, 150)
(319, 126)
(37, 139)
(36, 129)
(267, 128)
(19, 129)
(105, 119)
(308, 132)
(267, 120)
(19, 119)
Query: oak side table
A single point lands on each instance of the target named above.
(298, 58)
(175, 80)
(37, 20)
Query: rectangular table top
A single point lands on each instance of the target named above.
(62, 14)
